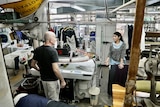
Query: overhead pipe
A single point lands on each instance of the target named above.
(16, 21)
(71, 22)
(35, 19)
(93, 23)
(106, 7)
(122, 6)
(48, 16)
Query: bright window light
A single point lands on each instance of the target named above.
(78, 8)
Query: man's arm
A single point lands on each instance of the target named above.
(34, 64)
(57, 72)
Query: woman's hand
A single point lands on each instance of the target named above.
(106, 62)
(121, 66)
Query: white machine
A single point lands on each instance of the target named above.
(12, 60)
(5, 35)
(82, 75)
(78, 70)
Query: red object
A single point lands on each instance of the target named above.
(60, 52)
(51, 29)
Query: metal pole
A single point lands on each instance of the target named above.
(48, 16)
(122, 6)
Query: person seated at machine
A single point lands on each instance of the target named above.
(34, 100)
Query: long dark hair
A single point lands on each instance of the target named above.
(119, 35)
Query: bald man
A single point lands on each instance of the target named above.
(45, 60)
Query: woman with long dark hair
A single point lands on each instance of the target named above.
(116, 58)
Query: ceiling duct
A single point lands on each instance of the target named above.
(153, 2)
(62, 10)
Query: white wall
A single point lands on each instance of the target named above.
(6, 99)
(104, 33)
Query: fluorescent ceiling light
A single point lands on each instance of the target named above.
(78, 8)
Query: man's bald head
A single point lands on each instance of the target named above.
(49, 37)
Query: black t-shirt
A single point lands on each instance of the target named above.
(46, 55)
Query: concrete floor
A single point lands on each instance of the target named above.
(101, 82)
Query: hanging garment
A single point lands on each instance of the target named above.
(67, 32)
(16, 61)
(130, 31)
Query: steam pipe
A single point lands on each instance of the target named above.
(106, 7)
(48, 16)
(71, 22)
(16, 21)
(35, 19)
(124, 5)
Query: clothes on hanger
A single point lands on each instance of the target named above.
(130, 31)
(67, 31)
